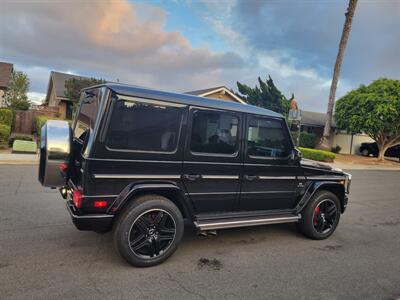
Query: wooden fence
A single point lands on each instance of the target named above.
(24, 119)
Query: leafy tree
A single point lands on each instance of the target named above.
(267, 95)
(16, 95)
(73, 87)
(373, 109)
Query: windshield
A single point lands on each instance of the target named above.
(87, 113)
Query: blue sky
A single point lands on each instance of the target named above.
(187, 45)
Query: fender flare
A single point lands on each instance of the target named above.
(135, 188)
(315, 187)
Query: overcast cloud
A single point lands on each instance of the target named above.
(293, 41)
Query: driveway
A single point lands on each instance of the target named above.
(42, 255)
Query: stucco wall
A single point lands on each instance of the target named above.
(344, 141)
(2, 103)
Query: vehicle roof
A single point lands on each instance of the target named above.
(136, 91)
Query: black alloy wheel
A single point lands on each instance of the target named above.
(324, 216)
(152, 233)
(321, 216)
(148, 230)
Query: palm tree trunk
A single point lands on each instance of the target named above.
(326, 138)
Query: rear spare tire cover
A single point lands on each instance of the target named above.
(55, 148)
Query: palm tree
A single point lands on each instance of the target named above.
(326, 138)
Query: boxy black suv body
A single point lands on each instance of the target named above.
(140, 161)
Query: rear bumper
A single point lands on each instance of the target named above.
(98, 223)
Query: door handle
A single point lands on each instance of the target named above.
(250, 177)
(191, 177)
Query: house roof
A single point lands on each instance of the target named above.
(193, 100)
(311, 118)
(57, 80)
(5, 74)
(209, 91)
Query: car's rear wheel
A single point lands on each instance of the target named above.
(365, 152)
(321, 216)
(148, 231)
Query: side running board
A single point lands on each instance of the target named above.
(244, 222)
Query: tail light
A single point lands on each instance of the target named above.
(63, 167)
(100, 203)
(77, 198)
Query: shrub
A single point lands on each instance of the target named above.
(12, 138)
(4, 133)
(6, 116)
(39, 122)
(307, 140)
(336, 149)
(319, 155)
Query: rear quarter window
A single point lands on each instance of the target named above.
(144, 126)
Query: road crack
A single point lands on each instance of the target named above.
(184, 288)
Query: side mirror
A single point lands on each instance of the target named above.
(295, 155)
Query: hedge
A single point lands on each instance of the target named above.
(40, 120)
(319, 155)
(4, 133)
(6, 116)
(307, 140)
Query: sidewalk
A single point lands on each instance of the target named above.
(351, 166)
(18, 159)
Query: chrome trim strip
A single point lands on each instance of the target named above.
(100, 196)
(277, 177)
(220, 176)
(73, 215)
(136, 160)
(215, 193)
(134, 176)
(231, 193)
(212, 163)
(326, 177)
(244, 223)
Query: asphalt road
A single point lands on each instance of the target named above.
(43, 256)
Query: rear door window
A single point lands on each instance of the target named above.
(145, 126)
(214, 132)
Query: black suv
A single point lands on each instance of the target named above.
(140, 161)
(367, 149)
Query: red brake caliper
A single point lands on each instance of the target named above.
(316, 212)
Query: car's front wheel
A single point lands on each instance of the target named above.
(321, 216)
(148, 231)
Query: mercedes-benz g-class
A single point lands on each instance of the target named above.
(140, 161)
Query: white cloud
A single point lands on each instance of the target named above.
(36, 98)
(107, 39)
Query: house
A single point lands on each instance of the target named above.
(56, 93)
(314, 122)
(55, 96)
(6, 70)
(219, 92)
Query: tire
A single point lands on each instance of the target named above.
(154, 224)
(365, 152)
(313, 216)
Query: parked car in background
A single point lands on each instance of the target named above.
(140, 161)
(368, 149)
